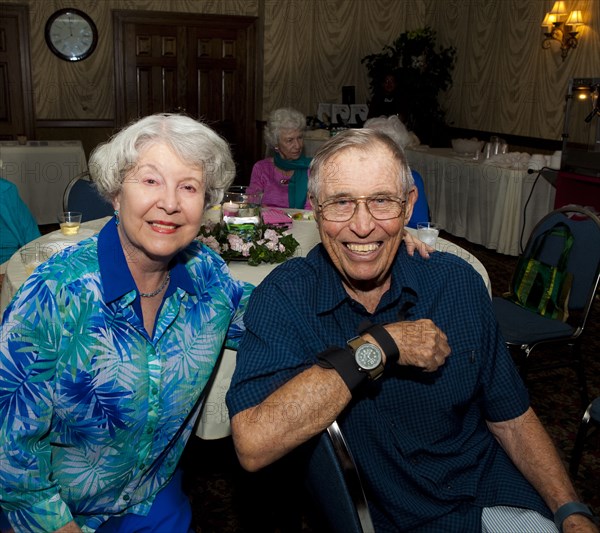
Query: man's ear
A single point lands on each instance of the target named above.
(413, 195)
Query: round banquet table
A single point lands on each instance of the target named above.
(214, 422)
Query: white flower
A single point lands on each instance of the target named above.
(271, 235)
(211, 242)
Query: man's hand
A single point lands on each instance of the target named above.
(577, 523)
(422, 344)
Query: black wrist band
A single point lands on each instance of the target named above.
(342, 361)
(568, 509)
(385, 340)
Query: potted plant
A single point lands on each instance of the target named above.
(421, 70)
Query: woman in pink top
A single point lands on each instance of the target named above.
(283, 178)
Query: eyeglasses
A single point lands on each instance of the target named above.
(380, 207)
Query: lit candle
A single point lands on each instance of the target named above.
(230, 209)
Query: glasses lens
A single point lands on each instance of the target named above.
(380, 207)
(383, 208)
(339, 210)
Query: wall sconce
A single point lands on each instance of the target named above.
(556, 22)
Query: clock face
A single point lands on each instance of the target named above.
(368, 356)
(71, 34)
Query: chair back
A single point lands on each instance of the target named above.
(584, 257)
(81, 195)
(334, 482)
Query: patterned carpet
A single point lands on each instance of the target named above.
(227, 499)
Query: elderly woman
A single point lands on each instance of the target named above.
(283, 178)
(106, 349)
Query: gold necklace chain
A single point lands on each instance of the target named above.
(162, 286)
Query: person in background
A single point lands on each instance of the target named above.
(387, 100)
(17, 225)
(106, 349)
(405, 354)
(393, 127)
(283, 178)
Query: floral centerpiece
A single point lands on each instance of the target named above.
(256, 243)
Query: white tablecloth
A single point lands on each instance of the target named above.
(479, 201)
(41, 170)
(214, 423)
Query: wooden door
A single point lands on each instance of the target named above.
(200, 65)
(16, 95)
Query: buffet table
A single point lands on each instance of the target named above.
(479, 201)
(41, 170)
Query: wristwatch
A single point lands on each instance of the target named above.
(368, 357)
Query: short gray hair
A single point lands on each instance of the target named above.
(361, 139)
(285, 118)
(194, 142)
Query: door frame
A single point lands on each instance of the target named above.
(21, 13)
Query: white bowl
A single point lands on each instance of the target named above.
(467, 146)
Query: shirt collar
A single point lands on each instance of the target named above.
(331, 294)
(115, 274)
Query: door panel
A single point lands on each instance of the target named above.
(197, 64)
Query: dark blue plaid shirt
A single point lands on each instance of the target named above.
(425, 454)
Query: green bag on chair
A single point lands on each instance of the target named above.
(544, 288)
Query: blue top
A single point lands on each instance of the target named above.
(420, 440)
(94, 412)
(421, 209)
(17, 225)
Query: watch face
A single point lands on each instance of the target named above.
(368, 356)
(71, 34)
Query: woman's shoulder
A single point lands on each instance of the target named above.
(265, 163)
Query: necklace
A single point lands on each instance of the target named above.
(162, 286)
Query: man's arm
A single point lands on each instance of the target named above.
(312, 400)
(300, 409)
(532, 451)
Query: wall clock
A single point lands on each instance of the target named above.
(71, 34)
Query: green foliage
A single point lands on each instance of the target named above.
(422, 70)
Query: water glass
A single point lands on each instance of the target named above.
(32, 256)
(428, 232)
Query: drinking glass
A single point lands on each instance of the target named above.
(69, 222)
(428, 232)
(32, 256)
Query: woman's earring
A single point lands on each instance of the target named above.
(117, 219)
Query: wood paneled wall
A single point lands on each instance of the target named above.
(503, 81)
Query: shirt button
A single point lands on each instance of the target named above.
(155, 391)
(149, 431)
(126, 497)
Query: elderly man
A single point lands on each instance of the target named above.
(405, 353)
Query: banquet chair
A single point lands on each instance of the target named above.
(525, 330)
(421, 212)
(334, 483)
(80, 195)
(591, 417)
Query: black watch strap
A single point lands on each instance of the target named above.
(384, 339)
(342, 360)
